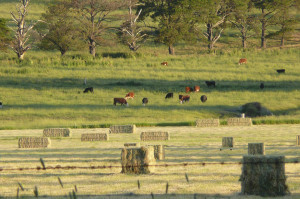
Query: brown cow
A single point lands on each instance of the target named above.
(243, 61)
(164, 63)
(184, 98)
(129, 95)
(188, 89)
(196, 88)
(120, 101)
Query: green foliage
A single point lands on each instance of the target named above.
(4, 34)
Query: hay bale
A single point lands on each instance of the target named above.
(132, 145)
(122, 129)
(34, 142)
(207, 123)
(155, 136)
(227, 142)
(57, 132)
(298, 140)
(94, 137)
(239, 122)
(159, 151)
(138, 160)
(264, 176)
(256, 149)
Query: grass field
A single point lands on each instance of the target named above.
(187, 145)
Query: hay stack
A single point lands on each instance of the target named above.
(159, 151)
(256, 149)
(138, 160)
(239, 121)
(132, 145)
(57, 132)
(155, 136)
(298, 140)
(34, 142)
(122, 129)
(264, 176)
(94, 137)
(207, 123)
(227, 142)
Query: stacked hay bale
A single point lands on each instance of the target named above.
(239, 122)
(132, 145)
(298, 140)
(159, 151)
(256, 149)
(57, 132)
(207, 123)
(264, 176)
(94, 137)
(138, 160)
(155, 136)
(34, 142)
(122, 129)
(227, 142)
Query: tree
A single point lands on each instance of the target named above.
(4, 34)
(91, 15)
(131, 33)
(61, 31)
(19, 43)
(243, 18)
(174, 25)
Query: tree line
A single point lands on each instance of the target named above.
(73, 24)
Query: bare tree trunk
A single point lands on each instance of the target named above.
(263, 30)
(21, 55)
(244, 37)
(282, 41)
(210, 36)
(171, 49)
(92, 47)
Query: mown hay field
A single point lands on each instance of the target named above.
(218, 178)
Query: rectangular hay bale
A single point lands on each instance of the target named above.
(159, 151)
(34, 142)
(155, 136)
(207, 123)
(227, 142)
(132, 145)
(256, 149)
(57, 132)
(138, 160)
(239, 122)
(122, 129)
(264, 176)
(94, 137)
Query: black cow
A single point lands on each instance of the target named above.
(89, 89)
(145, 101)
(262, 86)
(180, 97)
(280, 71)
(0, 104)
(169, 95)
(203, 98)
(210, 83)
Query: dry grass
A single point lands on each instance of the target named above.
(187, 145)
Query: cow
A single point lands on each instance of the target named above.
(203, 98)
(129, 95)
(145, 101)
(169, 95)
(0, 104)
(196, 88)
(89, 89)
(180, 96)
(262, 86)
(243, 61)
(280, 71)
(120, 101)
(184, 98)
(164, 63)
(210, 83)
(188, 89)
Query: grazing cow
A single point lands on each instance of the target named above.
(210, 83)
(188, 89)
(89, 89)
(243, 61)
(120, 101)
(184, 98)
(203, 98)
(280, 71)
(164, 63)
(169, 95)
(196, 88)
(262, 86)
(0, 104)
(180, 97)
(129, 95)
(145, 101)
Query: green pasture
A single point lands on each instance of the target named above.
(187, 145)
